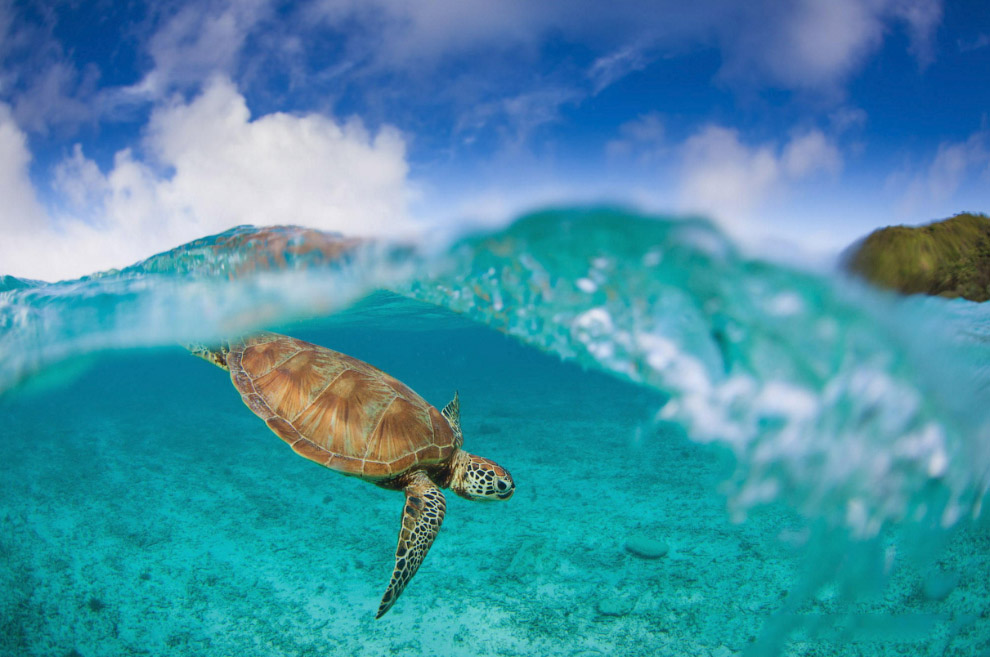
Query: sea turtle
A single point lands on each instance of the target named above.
(353, 418)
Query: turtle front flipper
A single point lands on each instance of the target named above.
(214, 354)
(421, 518)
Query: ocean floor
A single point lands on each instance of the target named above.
(146, 511)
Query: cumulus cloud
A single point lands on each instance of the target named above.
(20, 211)
(730, 181)
(722, 174)
(209, 167)
(810, 153)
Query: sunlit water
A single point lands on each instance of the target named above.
(813, 454)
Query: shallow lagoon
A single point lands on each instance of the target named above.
(145, 510)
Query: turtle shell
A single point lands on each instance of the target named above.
(336, 410)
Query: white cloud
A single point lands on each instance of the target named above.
(810, 153)
(954, 161)
(956, 178)
(37, 79)
(724, 178)
(197, 42)
(362, 45)
(809, 44)
(212, 167)
(821, 40)
(803, 44)
(847, 118)
(400, 34)
(643, 137)
(723, 175)
(922, 18)
(616, 65)
(56, 95)
(20, 211)
(516, 116)
(80, 182)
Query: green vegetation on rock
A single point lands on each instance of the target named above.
(950, 258)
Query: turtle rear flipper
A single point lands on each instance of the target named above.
(421, 519)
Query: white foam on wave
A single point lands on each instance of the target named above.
(819, 400)
(799, 375)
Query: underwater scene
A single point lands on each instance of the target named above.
(712, 455)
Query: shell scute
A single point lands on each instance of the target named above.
(257, 405)
(290, 385)
(312, 452)
(341, 416)
(241, 380)
(283, 429)
(265, 355)
(400, 388)
(398, 432)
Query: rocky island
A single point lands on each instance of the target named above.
(950, 258)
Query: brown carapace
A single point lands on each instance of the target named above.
(353, 418)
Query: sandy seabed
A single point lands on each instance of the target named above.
(145, 511)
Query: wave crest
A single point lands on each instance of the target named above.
(851, 404)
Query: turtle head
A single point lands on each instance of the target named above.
(477, 478)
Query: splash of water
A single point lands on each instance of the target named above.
(851, 404)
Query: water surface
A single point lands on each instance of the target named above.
(814, 454)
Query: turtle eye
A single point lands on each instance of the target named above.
(502, 486)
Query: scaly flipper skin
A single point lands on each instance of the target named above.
(421, 519)
(214, 354)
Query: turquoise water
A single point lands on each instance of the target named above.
(812, 454)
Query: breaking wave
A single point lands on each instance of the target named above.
(850, 404)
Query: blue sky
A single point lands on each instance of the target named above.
(127, 128)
